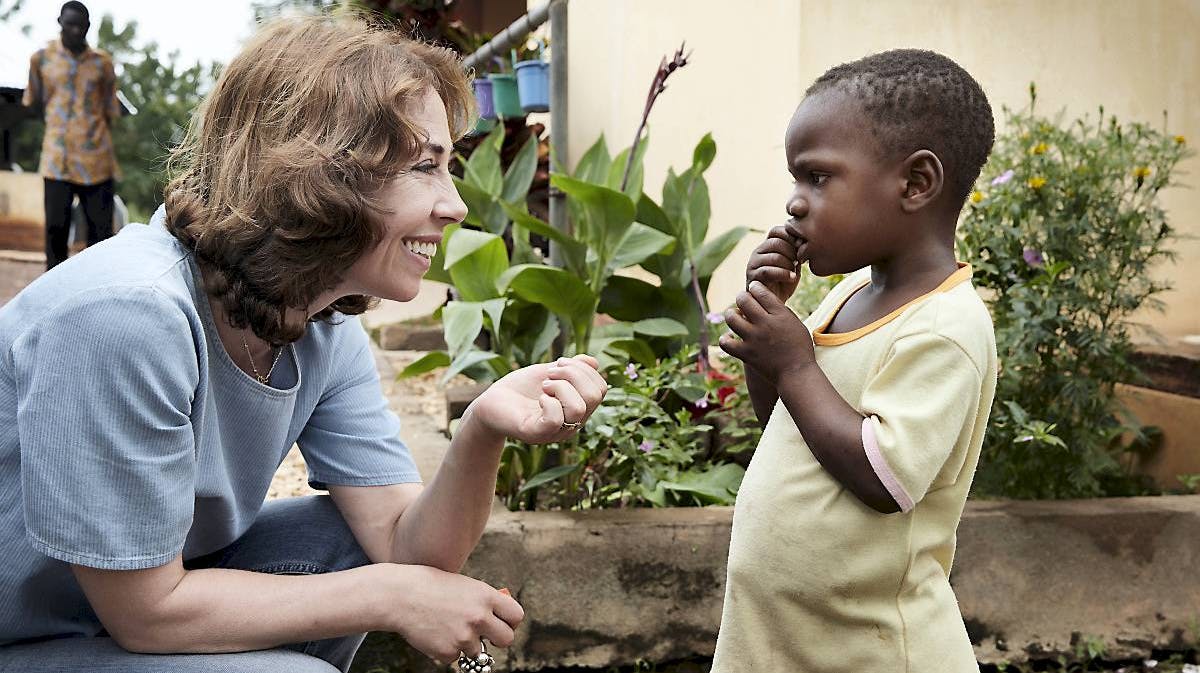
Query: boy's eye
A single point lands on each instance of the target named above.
(817, 179)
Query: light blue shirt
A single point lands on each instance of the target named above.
(128, 435)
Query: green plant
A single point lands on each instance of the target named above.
(648, 444)
(1191, 484)
(1063, 231)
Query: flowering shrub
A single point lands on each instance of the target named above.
(649, 444)
(1063, 231)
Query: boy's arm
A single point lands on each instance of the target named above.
(763, 395)
(830, 426)
(773, 263)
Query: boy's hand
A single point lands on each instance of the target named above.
(772, 340)
(776, 263)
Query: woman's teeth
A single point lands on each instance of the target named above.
(422, 248)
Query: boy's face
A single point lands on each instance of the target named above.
(846, 197)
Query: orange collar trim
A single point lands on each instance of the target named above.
(821, 338)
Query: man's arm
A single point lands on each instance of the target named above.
(32, 98)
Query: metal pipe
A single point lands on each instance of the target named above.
(559, 155)
(515, 32)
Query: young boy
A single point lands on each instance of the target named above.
(875, 406)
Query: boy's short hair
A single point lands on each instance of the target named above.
(918, 99)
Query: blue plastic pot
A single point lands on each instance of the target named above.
(533, 85)
(483, 97)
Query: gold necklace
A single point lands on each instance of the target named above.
(263, 379)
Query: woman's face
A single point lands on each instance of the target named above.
(422, 200)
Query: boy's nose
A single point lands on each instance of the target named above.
(797, 207)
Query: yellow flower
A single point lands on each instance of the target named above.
(1141, 172)
(1037, 182)
(976, 196)
(1179, 140)
(1039, 148)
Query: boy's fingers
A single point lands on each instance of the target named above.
(767, 300)
(778, 245)
(736, 322)
(776, 260)
(750, 305)
(781, 232)
(771, 274)
(731, 344)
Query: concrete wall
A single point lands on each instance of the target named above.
(752, 60)
(1033, 580)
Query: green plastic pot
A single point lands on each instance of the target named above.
(504, 95)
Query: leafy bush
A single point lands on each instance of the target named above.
(650, 443)
(1063, 232)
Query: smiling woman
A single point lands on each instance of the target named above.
(314, 178)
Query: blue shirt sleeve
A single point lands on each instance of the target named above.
(105, 383)
(352, 437)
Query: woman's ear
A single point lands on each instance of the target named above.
(924, 180)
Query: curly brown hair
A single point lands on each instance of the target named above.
(274, 188)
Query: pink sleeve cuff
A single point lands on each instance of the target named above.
(882, 470)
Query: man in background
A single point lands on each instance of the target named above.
(75, 88)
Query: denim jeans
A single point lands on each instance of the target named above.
(294, 536)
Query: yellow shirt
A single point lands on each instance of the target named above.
(79, 96)
(820, 583)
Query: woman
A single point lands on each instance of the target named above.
(151, 387)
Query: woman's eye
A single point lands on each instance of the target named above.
(427, 167)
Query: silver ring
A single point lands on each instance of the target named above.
(482, 663)
(571, 426)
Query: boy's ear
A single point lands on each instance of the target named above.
(924, 180)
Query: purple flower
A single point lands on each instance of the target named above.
(702, 403)
(715, 318)
(1003, 177)
(631, 371)
(1033, 258)
(647, 446)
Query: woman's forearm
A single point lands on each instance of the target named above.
(444, 524)
(220, 610)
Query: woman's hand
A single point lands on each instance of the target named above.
(442, 613)
(542, 403)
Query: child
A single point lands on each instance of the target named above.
(875, 406)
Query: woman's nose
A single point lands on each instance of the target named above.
(451, 208)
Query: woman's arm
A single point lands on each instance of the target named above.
(172, 610)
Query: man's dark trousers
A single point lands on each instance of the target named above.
(97, 202)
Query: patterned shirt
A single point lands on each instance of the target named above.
(78, 94)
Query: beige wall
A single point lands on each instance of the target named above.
(753, 59)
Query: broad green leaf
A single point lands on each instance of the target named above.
(713, 252)
(639, 243)
(617, 330)
(559, 291)
(522, 218)
(479, 203)
(651, 214)
(594, 164)
(545, 339)
(607, 213)
(494, 308)
(660, 327)
(475, 260)
(699, 209)
(633, 187)
(461, 322)
(437, 266)
(483, 166)
(426, 363)
(702, 156)
(468, 359)
(718, 485)
(548, 476)
(636, 348)
(520, 172)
